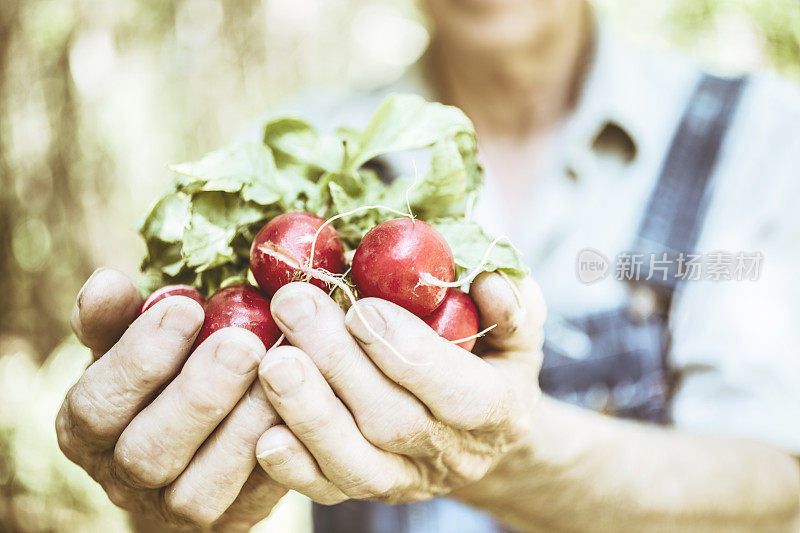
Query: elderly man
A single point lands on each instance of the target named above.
(586, 144)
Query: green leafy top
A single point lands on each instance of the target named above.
(200, 231)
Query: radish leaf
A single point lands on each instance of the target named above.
(469, 243)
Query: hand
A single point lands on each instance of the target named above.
(165, 436)
(361, 423)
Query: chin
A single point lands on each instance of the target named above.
(493, 24)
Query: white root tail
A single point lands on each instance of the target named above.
(278, 342)
(346, 213)
(410, 215)
(327, 277)
(513, 287)
(428, 279)
(476, 336)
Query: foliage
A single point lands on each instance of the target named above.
(199, 232)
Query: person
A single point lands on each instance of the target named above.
(590, 148)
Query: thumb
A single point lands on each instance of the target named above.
(106, 305)
(516, 305)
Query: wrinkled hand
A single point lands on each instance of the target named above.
(361, 423)
(166, 439)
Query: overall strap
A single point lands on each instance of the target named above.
(676, 209)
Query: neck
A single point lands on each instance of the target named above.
(518, 91)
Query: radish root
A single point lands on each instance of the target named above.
(410, 215)
(513, 287)
(476, 336)
(337, 281)
(346, 213)
(278, 342)
(429, 279)
(408, 191)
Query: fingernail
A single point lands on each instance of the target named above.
(238, 356)
(293, 308)
(86, 284)
(182, 318)
(284, 376)
(275, 456)
(371, 316)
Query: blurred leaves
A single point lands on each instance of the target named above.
(709, 27)
(40, 491)
(41, 217)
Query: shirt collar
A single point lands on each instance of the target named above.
(637, 93)
(610, 98)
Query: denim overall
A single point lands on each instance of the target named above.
(626, 372)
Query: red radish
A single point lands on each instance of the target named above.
(290, 236)
(394, 259)
(456, 318)
(172, 290)
(240, 306)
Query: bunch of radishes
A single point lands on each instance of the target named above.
(404, 260)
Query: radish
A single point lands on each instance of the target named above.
(281, 250)
(456, 318)
(397, 260)
(172, 290)
(240, 306)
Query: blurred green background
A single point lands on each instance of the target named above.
(97, 96)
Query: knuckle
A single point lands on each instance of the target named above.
(394, 437)
(135, 468)
(470, 417)
(198, 399)
(65, 436)
(148, 371)
(199, 408)
(237, 441)
(120, 496)
(183, 506)
(391, 439)
(304, 478)
(467, 468)
(86, 417)
(336, 360)
(317, 423)
(375, 487)
(487, 408)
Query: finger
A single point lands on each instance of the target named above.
(117, 386)
(313, 322)
(159, 443)
(517, 307)
(323, 424)
(289, 463)
(460, 389)
(254, 503)
(106, 305)
(218, 470)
